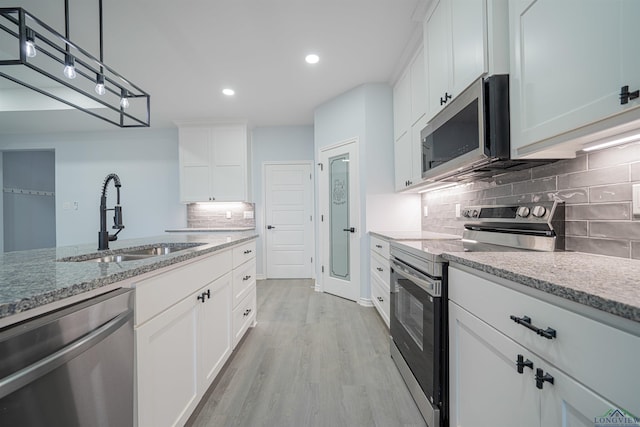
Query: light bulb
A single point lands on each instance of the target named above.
(124, 101)
(100, 89)
(30, 44)
(69, 67)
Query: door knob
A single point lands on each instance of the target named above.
(269, 227)
(350, 230)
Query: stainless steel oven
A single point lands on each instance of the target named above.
(419, 329)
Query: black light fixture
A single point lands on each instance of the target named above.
(37, 57)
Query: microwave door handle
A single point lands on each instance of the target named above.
(424, 284)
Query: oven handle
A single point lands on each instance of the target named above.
(432, 287)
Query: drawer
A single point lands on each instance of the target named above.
(380, 268)
(244, 277)
(381, 298)
(580, 348)
(380, 246)
(244, 253)
(157, 293)
(244, 315)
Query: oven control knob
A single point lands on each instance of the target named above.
(523, 211)
(465, 213)
(539, 211)
(474, 214)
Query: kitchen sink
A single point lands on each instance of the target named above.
(132, 254)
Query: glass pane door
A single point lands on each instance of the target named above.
(339, 216)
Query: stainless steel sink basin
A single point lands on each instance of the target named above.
(120, 258)
(158, 250)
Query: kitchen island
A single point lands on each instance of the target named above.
(36, 281)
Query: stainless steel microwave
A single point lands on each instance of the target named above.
(469, 138)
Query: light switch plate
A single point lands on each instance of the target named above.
(457, 210)
(228, 214)
(636, 199)
(426, 210)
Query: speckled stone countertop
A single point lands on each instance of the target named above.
(207, 230)
(412, 235)
(33, 278)
(605, 283)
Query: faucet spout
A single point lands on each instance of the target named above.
(103, 235)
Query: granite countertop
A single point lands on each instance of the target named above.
(412, 235)
(33, 278)
(207, 230)
(605, 283)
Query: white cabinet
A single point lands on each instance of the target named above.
(213, 163)
(464, 40)
(186, 328)
(380, 275)
(561, 381)
(409, 107)
(569, 62)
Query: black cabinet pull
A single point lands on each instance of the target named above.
(248, 251)
(447, 97)
(380, 299)
(380, 269)
(379, 246)
(269, 227)
(541, 377)
(625, 95)
(350, 230)
(246, 312)
(525, 321)
(245, 278)
(204, 295)
(521, 364)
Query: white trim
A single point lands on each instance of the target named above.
(316, 287)
(261, 276)
(263, 210)
(339, 144)
(365, 302)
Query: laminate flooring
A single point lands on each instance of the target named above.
(312, 360)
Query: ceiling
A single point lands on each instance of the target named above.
(184, 53)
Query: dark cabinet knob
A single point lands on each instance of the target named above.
(350, 230)
(269, 227)
(521, 364)
(541, 378)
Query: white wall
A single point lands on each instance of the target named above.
(274, 144)
(366, 113)
(145, 160)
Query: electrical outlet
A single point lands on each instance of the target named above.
(248, 214)
(228, 214)
(76, 205)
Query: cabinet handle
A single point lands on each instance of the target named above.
(205, 295)
(248, 251)
(211, 199)
(447, 96)
(541, 377)
(379, 269)
(525, 321)
(521, 364)
(379, 246)
(380, 299)
(246, 278)
(625, 95)
(247, 312)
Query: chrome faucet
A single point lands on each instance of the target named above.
(103, 235)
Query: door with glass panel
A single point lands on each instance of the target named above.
(340, 227)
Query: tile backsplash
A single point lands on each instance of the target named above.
(214, 215)
(596, 187)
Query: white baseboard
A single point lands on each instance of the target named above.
(261, 277)
(317, 287)
(365, 302)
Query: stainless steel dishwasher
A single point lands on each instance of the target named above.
(72, 367)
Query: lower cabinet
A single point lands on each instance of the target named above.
(499, 375)
(244, 315)
(170, 379)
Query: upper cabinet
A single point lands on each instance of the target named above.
(213, 163)
(409, 108)
(464, 40)
(570, 62)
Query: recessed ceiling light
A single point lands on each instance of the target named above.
(228, 92)
(312, 58)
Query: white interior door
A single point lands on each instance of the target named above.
(288, 220)
(340, 226)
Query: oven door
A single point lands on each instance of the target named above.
(416, 326)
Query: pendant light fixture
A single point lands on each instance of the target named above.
(40, 59)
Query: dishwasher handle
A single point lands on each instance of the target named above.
(30, 373)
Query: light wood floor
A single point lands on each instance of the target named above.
(312, 360)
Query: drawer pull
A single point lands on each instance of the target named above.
(380, 299)
(541, 377)
(379, 246)
(521, 364)
(247, 312)
(525, 321)
(248, 251)
(204, 295)
(379, 269)
(246, 278)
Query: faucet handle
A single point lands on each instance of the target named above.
(117, 218)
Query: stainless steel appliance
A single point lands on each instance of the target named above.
(419, 327)
(72, 367)
(469, 139)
